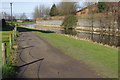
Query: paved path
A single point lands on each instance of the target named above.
(38, 59)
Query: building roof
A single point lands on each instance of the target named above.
(87, 7)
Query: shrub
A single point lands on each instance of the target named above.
(3, 23)
(101, 6)
(60, 15)
(70, 22)
(10, 71)
(69, 31)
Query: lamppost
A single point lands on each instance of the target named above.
(11, 15)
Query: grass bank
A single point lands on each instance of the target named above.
(102, 59)
(10, 70)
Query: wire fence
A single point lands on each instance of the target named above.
(4, 50)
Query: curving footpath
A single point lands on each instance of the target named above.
(39, 59)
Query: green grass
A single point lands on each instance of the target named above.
(10, 71)
(5, 39)
(102, 59)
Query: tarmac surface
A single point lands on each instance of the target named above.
(39, 59)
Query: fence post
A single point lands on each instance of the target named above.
(13, 34)
(15, 30)
(4, 55)
(10, 41)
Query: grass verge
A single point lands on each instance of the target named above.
(102, 59)
(9, 69)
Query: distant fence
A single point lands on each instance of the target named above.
(4, 49)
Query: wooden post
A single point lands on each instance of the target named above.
(13, 34)
(4, 55)
(10, 41)
(15, 30)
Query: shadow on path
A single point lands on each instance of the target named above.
(21, 29)
(56, 63)
(30, 63)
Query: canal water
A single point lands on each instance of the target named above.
(112, 40)
(30, 25)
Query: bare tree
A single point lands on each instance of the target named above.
(118, 16)
(9, 17)
(5, 15)
(91, 12)
(46, 11)
(36, 12)
(17, 16)
(110, 22)
(40, 11)
(118, 21)
(23, 16)
(14, 18)
(67, 8)
(43, 11)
